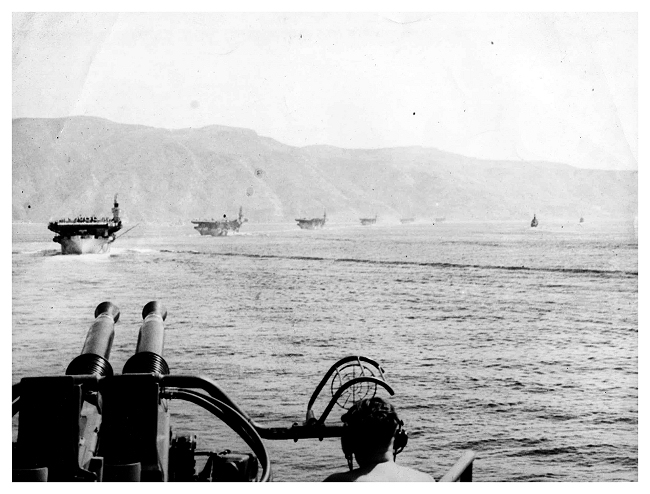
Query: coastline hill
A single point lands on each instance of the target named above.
(68, 166)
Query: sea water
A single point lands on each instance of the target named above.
(518, 343)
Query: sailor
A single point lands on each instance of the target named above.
(374, 436)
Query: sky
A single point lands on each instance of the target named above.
(559, 87)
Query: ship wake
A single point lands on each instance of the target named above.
(444, 265)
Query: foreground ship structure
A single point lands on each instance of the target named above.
(220, 228)
(96, 425)
(87, 235)
(312, 224)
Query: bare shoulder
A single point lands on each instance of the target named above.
(390, 472)
(384, 472)
(407, 474)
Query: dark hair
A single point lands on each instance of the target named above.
(371, 422)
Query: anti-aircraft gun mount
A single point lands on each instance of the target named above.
(92, 424)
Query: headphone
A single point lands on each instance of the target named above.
(400, 440)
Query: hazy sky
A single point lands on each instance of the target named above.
(555, 87)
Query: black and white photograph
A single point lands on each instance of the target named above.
(325, 246)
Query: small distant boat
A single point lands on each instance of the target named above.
(407, 220)
(534, 223)
(312, 224)
(368, 221)
(582, 220)
(440, 219)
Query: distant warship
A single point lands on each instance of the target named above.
(313, 223)
(534, 223)
(87, 234)
(407, 220)
(220, 228)
(368, 221)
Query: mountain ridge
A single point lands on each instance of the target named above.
(74, 165)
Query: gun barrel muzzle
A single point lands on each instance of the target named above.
(151, 342)
(152, 332)
(99, 341)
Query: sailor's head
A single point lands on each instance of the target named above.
(371, 426)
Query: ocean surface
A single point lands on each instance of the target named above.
(518, 343)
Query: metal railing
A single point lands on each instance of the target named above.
(462, 469)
